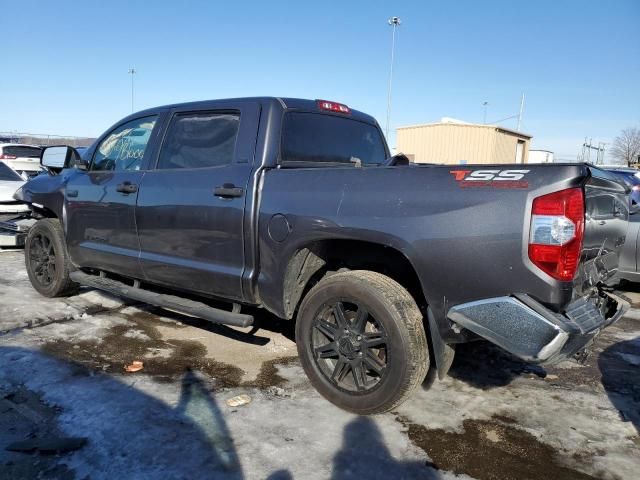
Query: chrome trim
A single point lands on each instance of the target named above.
(543, 339)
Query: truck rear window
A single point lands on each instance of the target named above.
(29, 152)
(319, 138)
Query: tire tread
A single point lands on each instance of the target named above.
(396, 296)
(66, 286)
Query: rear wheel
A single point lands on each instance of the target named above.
(46, 259)
(361, 341)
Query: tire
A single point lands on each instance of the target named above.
(364, 370)
(47, 261)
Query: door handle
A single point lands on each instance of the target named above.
(72, 193)
(127, 187)
(228, 190)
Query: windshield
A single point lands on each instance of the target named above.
(319, 138)
(7, 174)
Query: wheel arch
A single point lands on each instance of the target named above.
(313, 261)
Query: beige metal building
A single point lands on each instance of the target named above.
(455, 142)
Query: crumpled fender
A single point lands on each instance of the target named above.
(45, 192)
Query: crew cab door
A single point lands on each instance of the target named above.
(100, 203)
(191, 207)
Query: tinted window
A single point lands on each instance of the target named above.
(7, 174)
(198, 140)
(30, 152)
(123, 148)
(310, 137)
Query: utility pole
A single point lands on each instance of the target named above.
(587, 146)
(520, 113)
(132, 72)
(395, 23)
(601, 146)
(484, 114)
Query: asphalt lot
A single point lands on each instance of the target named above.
(62, 375)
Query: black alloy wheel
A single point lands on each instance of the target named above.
(42, 257)
(350, 347)
(361, 341)
(46, 259)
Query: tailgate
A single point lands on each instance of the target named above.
(606, 217)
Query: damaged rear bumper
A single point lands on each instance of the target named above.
(532, 332)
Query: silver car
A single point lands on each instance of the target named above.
(629, 267)
(10, 181)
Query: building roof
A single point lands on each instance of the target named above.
(459, 123)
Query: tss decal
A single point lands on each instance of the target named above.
(491, 178)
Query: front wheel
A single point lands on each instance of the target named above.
(46, 259)
(361, 341)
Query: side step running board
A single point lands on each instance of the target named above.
(171, 302)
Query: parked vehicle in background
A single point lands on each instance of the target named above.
(296, 206)
(631, 177)
(10, 181)
(24, 159)
(629, 266)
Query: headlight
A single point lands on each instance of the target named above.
(19, 194)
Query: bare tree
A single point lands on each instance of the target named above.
(626, 146)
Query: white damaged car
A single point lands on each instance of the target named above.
(10, 181)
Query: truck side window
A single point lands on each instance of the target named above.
(123, 148)
(197, 140)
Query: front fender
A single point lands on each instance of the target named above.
(46, 192)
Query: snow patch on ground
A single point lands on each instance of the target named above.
(139, 428)
(572, 421)
(87, 328)
(137, 334)
(22, 306)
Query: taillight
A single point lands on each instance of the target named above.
(557, 230)
(7, 157)
(333, 106)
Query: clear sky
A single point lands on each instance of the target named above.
(64, 64)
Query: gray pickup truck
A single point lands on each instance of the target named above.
(297, 207)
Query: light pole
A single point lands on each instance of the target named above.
(132, 72)
(395, 23)
(484, 115)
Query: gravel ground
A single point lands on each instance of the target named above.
(62, 376)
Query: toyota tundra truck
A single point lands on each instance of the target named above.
(214, 208)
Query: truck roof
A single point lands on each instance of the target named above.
(284, 103)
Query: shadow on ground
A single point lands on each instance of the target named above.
(620, 368)
(263, 320)
(133, 434)
(483, 365)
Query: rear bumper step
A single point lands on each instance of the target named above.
(171, 302)
(528, 330)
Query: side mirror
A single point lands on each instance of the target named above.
(60, 157)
